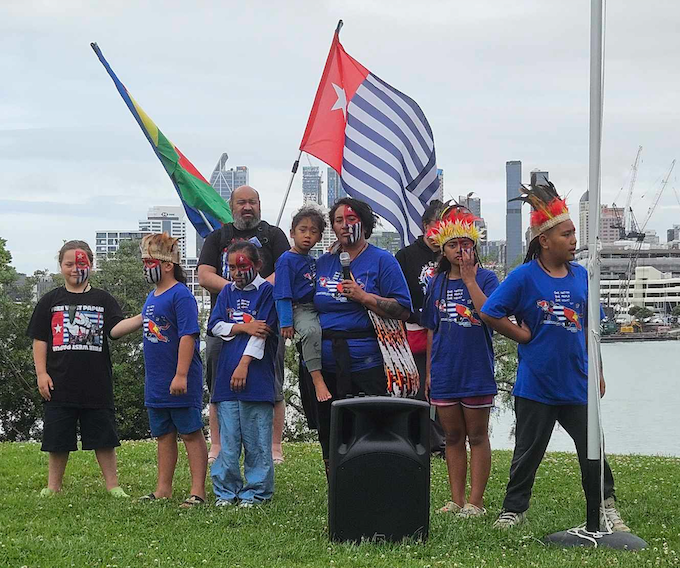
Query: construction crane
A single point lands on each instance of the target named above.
(624, 225)
(655, 202)
(633, 178)
(637, 234)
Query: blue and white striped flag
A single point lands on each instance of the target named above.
(377, 138)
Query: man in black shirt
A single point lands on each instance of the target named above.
(213, 276)
(419, 261)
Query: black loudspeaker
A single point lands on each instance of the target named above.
(379, 478)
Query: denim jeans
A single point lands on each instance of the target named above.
(247, 425)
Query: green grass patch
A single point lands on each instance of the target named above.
(84, 526)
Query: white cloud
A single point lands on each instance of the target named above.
(497, 80)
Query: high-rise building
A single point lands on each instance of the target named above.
(474, 204)
(673, 234)
(227, 180)
(388, 240)
(334, 184)
(107, 242)
(311, 185)
(327, 238)
(439, 194)
(513, 212)
(611, 218)
(493, 251)
(539, 178)
(167, 219)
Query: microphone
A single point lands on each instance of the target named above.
(344, 261)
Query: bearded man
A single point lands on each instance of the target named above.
(213, 275)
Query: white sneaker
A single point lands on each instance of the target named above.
(224, 503)
(246, 505)
(509, 519)
(610, 516)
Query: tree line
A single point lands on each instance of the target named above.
(121, 275)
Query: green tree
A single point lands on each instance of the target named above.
(640, 312)
(20, 406)
(121, 275)
(676, 311)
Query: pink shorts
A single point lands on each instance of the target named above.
(485, 401)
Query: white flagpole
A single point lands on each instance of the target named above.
(592, 536)
(593, 337)
(293, 171)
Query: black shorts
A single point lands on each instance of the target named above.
(97, 428)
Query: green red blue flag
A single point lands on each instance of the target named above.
(204, 207)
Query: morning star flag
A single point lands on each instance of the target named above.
(204, 207)
(376, 138)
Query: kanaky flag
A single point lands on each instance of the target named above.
(376, 138)
(205, 208)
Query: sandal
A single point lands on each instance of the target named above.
(192, 501)
(149, 497)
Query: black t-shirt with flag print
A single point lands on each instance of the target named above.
(76, 328)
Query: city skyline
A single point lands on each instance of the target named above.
(74, 159)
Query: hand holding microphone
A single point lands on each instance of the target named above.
(350, 289)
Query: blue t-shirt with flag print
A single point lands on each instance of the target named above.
(378, 272)
(295, 276)
(242, 306)
(553, 366)
(462, 353)
(166, 319)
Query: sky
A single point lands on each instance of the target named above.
(497, 81)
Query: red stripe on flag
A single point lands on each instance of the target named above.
(188, 166)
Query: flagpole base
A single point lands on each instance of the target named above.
(580, 537)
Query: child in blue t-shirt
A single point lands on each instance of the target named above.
(294, 293)
(173, 385)
(244, 317)
(460, 370)
(548, 297)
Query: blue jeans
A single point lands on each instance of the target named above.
(247, 425)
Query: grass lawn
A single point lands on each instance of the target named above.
(83, 526)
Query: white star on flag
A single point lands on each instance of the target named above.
(57, 328)
(341, 103)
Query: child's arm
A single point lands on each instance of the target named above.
(518, 333)
(126, 326)
(45, 384)
(185, 355)
(468, 273)
(284, 309)
(238, 377)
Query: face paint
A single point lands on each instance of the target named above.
(82, 266)
(246, 269)
(152, 270)
(355, 228)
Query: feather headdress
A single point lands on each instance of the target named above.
(549, 209)
(160, 246)
(457, 222)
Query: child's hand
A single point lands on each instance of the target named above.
(45, 386)
(468, 266)
(427, 387)
(256, 328)
(525, 334)
(238, 378)
(288, 332)
(178, 385)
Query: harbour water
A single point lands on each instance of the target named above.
(640, 408)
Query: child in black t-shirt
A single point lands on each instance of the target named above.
(69, 327)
